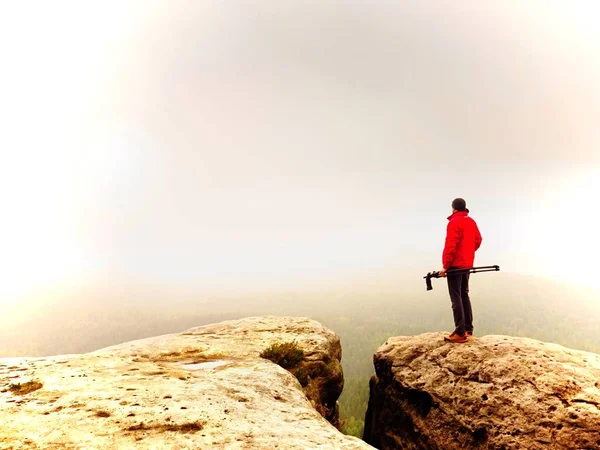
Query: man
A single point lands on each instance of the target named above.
(462, 241)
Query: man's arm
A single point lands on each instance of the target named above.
(452, 238)
(478, 238)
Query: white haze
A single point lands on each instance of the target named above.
(235, 147)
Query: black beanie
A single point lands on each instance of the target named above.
(459, 204)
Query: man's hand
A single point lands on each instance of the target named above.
(443, 273)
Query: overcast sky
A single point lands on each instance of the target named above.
(253, 145)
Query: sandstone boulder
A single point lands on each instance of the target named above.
(206, 388)
(495, 392)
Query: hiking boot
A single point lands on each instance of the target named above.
(456, 338)
(469, 334)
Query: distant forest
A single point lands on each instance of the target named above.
(364, 319)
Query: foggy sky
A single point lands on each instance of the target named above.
(243, 145)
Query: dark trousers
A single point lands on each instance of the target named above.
(458, 286)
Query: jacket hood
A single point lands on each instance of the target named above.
(458, 214)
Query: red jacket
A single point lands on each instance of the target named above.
(462, 240)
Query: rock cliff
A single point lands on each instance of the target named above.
(495, 392)
(204, 388)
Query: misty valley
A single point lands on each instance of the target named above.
(364, 318)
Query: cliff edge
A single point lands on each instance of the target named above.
(204, 388)
(495, 392)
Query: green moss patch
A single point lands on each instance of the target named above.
(287, 355)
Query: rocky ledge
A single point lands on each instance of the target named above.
(204, 388)
(495, 392)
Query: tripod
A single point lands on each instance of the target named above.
(436, 274)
